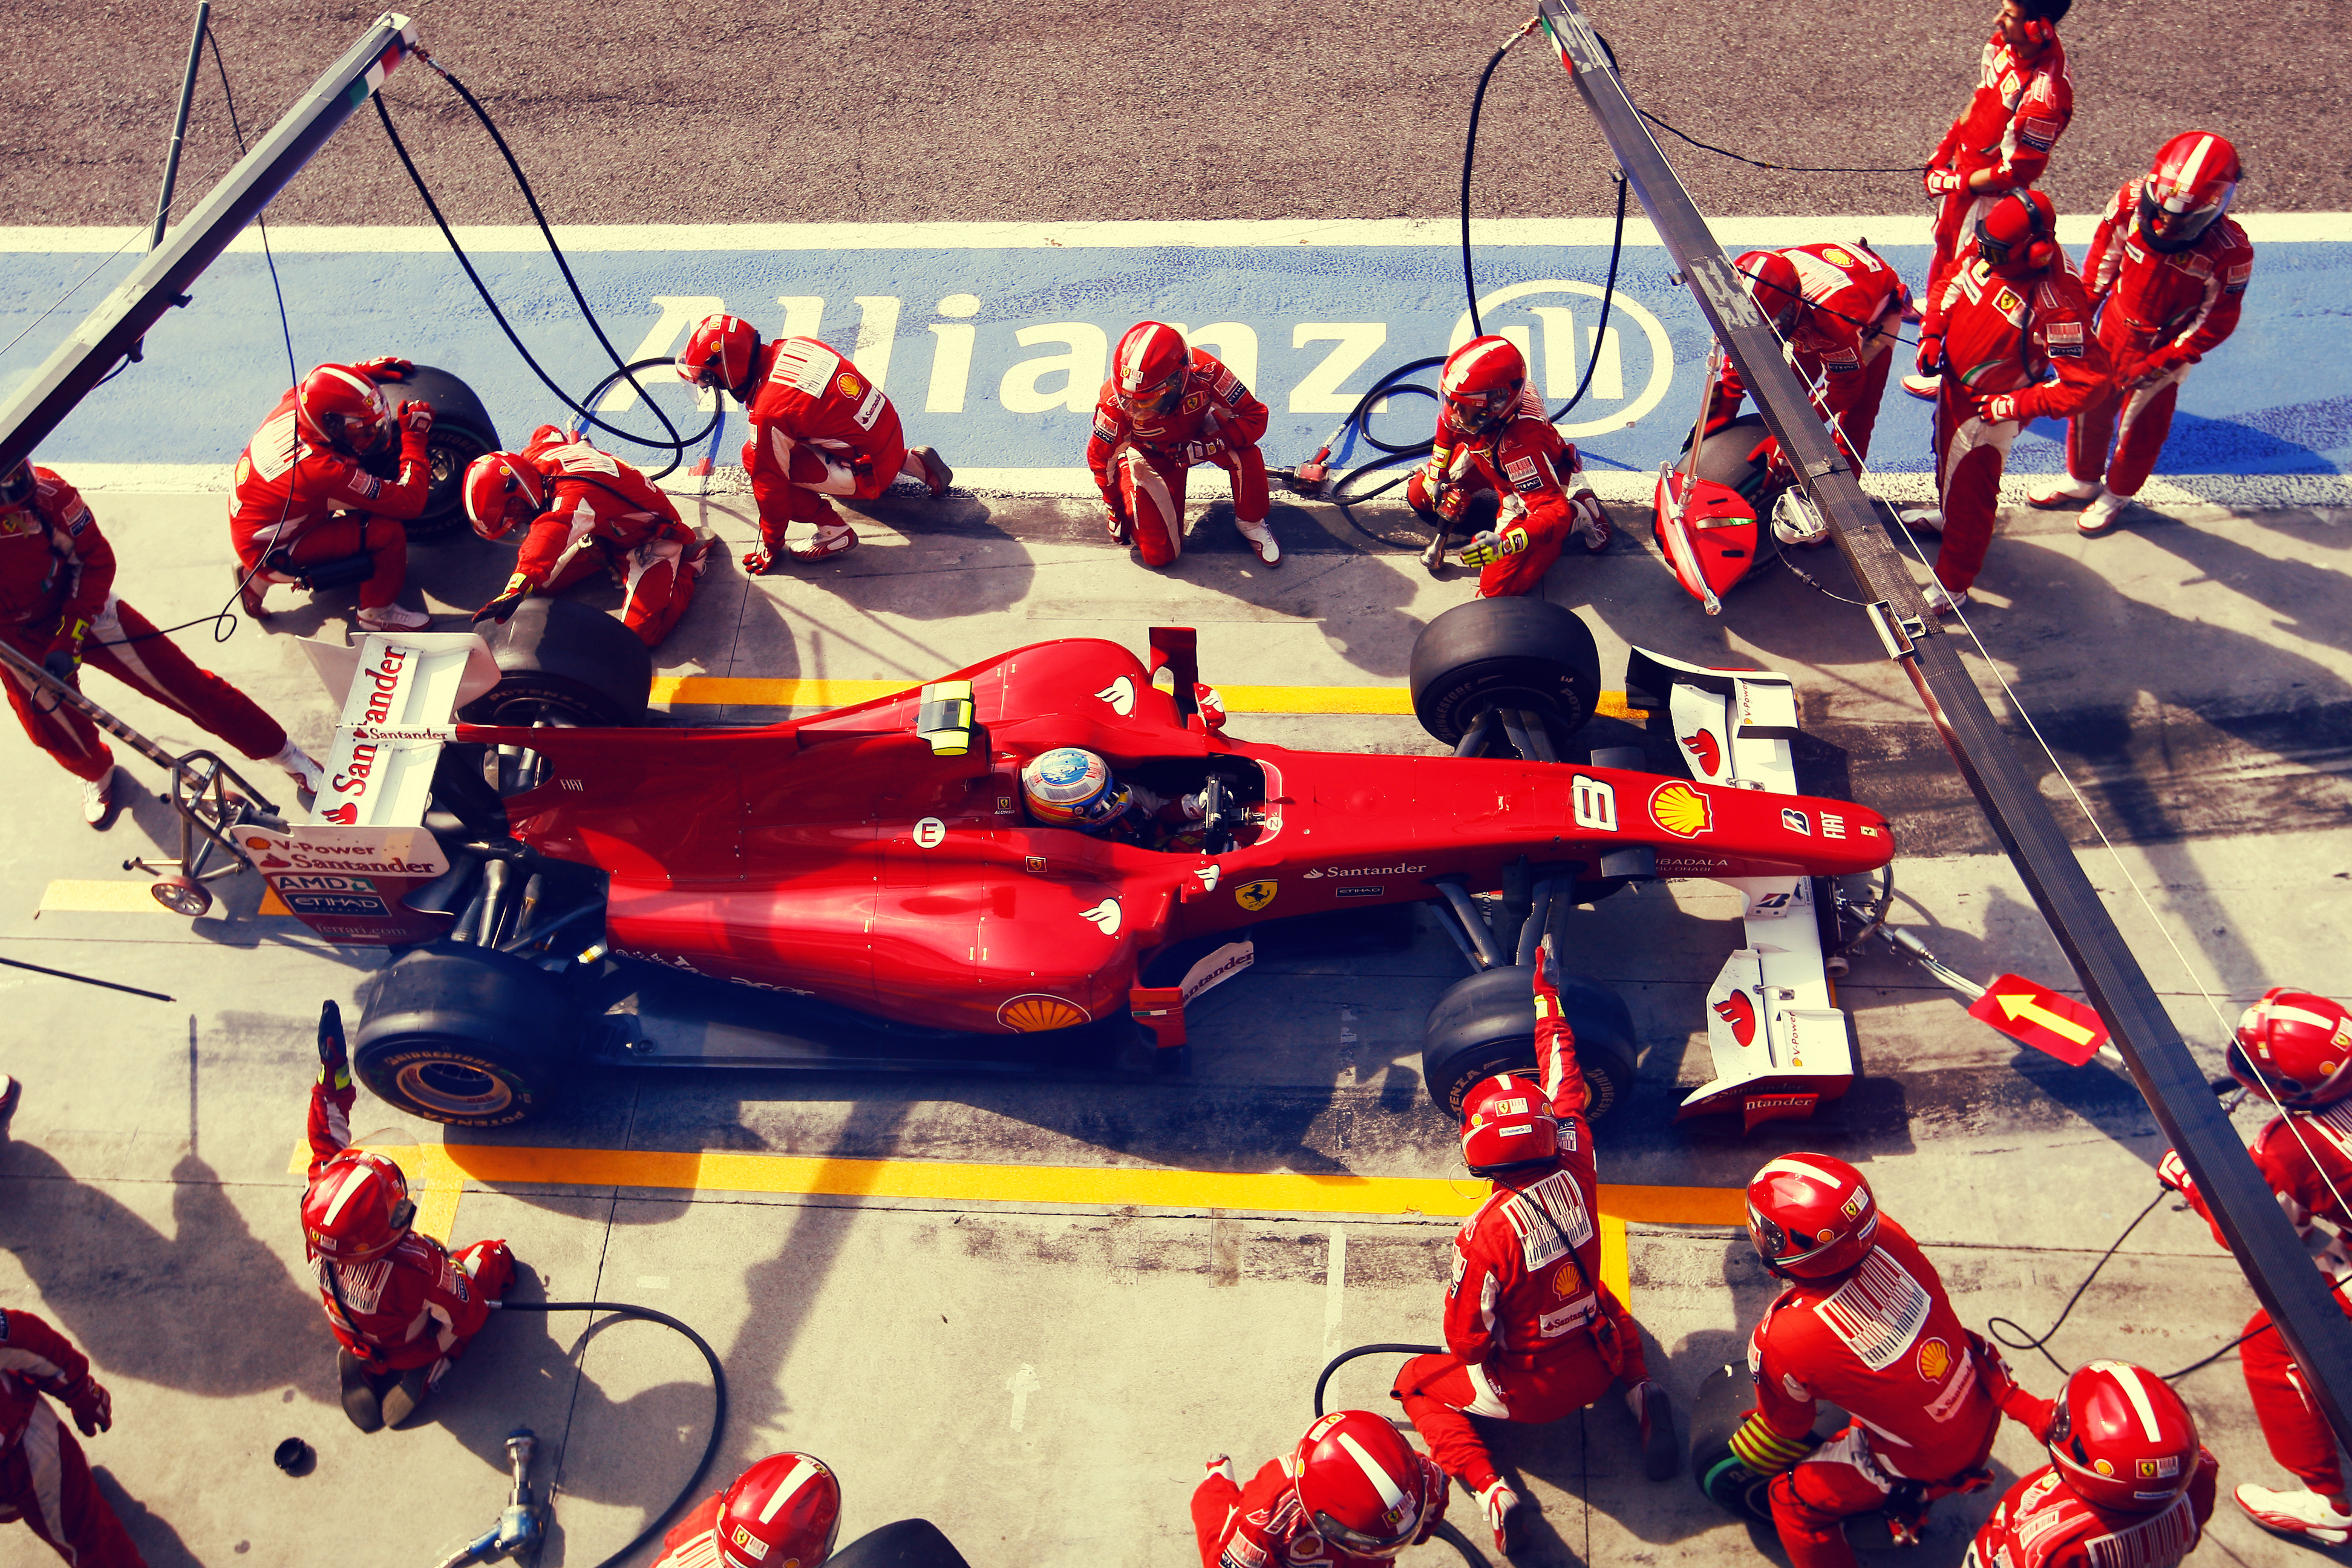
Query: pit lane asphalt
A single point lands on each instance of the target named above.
(1042, 1377)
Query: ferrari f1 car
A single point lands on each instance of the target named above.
(557, 875)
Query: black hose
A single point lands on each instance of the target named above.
(1993, 1325)
(1344, 1357)
(1469, 156)
(718, 1414)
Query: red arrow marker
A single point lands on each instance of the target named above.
(2032, 1013)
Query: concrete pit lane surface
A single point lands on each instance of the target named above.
(1028, 1308)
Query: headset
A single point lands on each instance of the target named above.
(2040, 243)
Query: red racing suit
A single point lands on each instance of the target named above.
(2158, 315)
(1528, 464)
(1139, 465)
(1262, 1525)
(418, 1304)
(2041, 1524)
(2029, 340)
(1844, 340)
(57, 589)
(320, 506)
(44, 1478)
(2300, 1170)
(1882, 1342)
(2014, 118)
(693, 1541)
(602, 512)
(819, 428)
(1532, 1333)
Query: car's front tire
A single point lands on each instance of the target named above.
(1487, 1025)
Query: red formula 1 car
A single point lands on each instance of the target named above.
(872, 869)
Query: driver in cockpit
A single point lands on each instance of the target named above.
(1070, 787)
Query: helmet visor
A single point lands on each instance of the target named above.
(1481, 410)
(1356, 1540)
(2169, 221)
(17, 486)
(1159, 397)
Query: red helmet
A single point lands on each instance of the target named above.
(1811, 1216)
(719, 352)
(17, 486)
(339, 407)
(1507, 1121)
(783, 1512)
(2019, 236)
(1482, 383)
(2121, 1437)
(1359, 1483)
(357, 1209)
(2188, 189)
(503, 492)
(1148, 369)
(2296, 1046)
(1770, 279)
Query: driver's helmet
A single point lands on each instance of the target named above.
(1070, 787)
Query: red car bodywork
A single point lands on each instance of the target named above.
(799, 856)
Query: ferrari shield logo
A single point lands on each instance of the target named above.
(1256, 896)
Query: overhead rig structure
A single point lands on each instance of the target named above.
(2176, 1089)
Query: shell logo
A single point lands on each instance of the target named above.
(1567, 1280)
(849, 387)
(1934, 1359)
(1032, 1014)
(1680, 810)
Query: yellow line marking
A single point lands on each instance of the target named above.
(1616, 1263)
(697, 691)
(67, 897)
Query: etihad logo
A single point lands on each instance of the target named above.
(1680, 810)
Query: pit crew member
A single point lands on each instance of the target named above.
(1492, 435)
(582, 510)
(2013, 329)
(1353, 1495)
(403, 1307)
(1071, 786)
(2295, 1049)
(820, 428)
(2001, 141)
(326, 482)
(782, 1511)
(2127, 1482)
(58, 608)
(1839, 307)
(1165, 408)
(2168, 269)
(1532, 1333)
(1865, 1323)
(44, 1478)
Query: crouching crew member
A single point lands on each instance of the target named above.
(1839, 307)
(402, 1307)
(1353, 1495)
(1166, 408)
(1532, 1333)
(783, 1512)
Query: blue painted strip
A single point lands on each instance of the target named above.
(1002, 379)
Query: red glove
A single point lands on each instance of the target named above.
(92, 1407)
(2173, 1173)
(416, 416)
(1931, 355)
(2160, 363)
(1767, 453)
(1944, 182)
(384, 369)
(1114, 518)
(511, 597)
(757, 561)
(1998, 408)
(1202, 451)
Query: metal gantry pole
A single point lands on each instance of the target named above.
(161, 280)
(2290, 1288)
(180, 121)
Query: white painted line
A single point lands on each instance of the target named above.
(1335, 1292)
(1021, 1386)
(1738, 232)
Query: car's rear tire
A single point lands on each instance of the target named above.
(1522, 653)
(467, 1038)
(908, 1543)
(564, 662)
(1487, 1025)
(462, 431)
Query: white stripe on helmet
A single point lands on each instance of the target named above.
(2129, 1375)
(358, 1177)
(1786, 1165)
(1471, 356)
(2194, 169)
(1392, 1495)
(791, 1484)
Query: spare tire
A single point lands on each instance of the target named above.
(1523, 653)
(461, 432)
(1487, 1025)
(466, 1036)
(563, 662)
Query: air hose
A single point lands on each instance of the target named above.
(718, 1414)
(1445, 1530)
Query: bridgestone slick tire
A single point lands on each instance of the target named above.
(467, 1038)
(1487, 1025)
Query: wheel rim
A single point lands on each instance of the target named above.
(453, 1089)
(181, 900)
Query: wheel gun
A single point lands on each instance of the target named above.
(521, 1523)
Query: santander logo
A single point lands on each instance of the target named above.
(1703, 747)
(1739, 1011)
(344, 816)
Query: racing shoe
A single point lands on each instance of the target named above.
(1923, 387)
(360, 1401)
(1927, 520)
(252, 588)
(1222, 1465)
(11, 1092)
(1942, 601)
(1261, 539)
(97, 804)
(833, 539)
(2064, 491)
(2100, 516)
(308, 777)
(1503, 1508)
(403, 1398)
(2296, 1513)
(393, 618)
(1592, 520)
(1660, 1458)
(924, 463)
